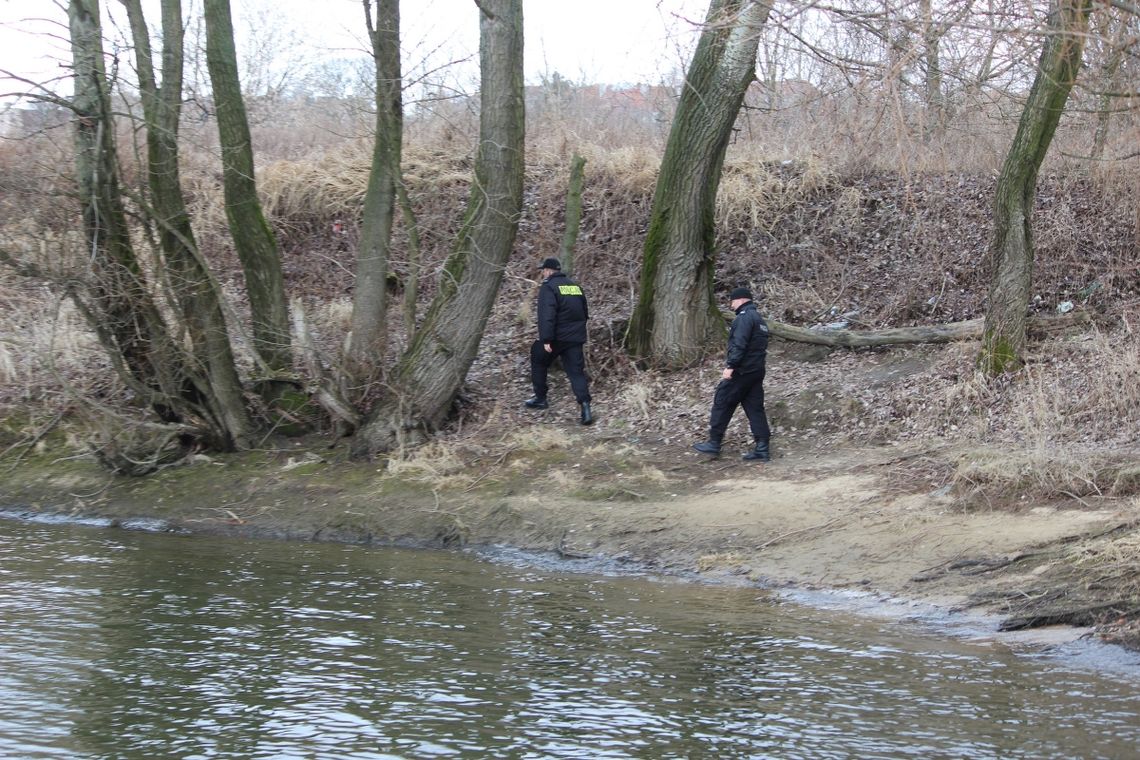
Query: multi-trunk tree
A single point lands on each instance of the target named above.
(211, 375)
(114, 295)
(175, 354)
(366, 344)
(431, 372)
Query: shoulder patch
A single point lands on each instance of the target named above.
(570, 290)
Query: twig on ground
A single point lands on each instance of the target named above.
(29, 445)
(782, 536)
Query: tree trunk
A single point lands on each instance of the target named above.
(573, 214)
(1109, 77)
(253, 238)
(932, 76)
(412, 283)
(116, 301)
(1004, 338)
(676, 317)
(431, 372)
(367, 340)
(214, 388)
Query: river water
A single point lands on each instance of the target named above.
(121, 644)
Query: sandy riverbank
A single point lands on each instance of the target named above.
(837, 520)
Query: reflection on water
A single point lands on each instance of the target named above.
(125, 645)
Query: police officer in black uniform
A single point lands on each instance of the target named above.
(742, 380)
(562, 315)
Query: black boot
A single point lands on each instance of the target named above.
(536, 403)
(758, 454)
(587, 418)
(711, 446)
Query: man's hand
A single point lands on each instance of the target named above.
(727, 374)
(549, 348)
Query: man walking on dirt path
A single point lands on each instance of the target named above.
(562, 315)
(742, 380)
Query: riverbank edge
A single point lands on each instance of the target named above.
(1076, 645)
(561, 533)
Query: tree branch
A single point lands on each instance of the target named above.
(1132, 8)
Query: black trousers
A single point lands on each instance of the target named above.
(573, 361)
(746, 391)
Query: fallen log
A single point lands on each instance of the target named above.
(971, 329)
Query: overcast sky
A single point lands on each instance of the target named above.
(610, 41)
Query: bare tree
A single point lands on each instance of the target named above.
(369, 302)
(1116, 41)
(253, 238)
(1004, 338)
(676, 317)
(212, 373)
(432, 370)
(115, 293)
(116, 298)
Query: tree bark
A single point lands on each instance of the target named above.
(676, 318)
(1004, 338)
(573, 214)
(253, 238)
(412, 283)
(432, 370)
(214, 386)
(368, 338)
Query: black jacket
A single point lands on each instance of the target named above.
(747, 341)
(562, 310)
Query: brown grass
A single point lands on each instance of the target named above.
(1067, 425)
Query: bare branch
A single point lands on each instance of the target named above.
(46, 96)
(1132, 8)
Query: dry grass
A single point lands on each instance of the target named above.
(326, 186)
(8, 372)
(997, 477)
(638, 396)
(632, 169)
(1089, 392)
(436, 463)
(1067, 425)
(759, 192)
(1111, 404)
(543, 438)
(44, 343)
(1123, 549)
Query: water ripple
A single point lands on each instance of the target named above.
(133, 645)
